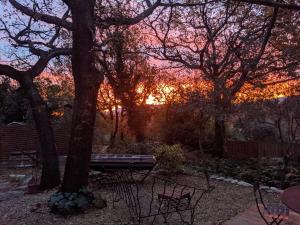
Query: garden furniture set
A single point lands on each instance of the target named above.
(151, 199)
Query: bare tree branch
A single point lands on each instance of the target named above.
(272, 3)
(123, 20)
(42, 17)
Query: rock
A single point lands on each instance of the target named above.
(276, 190)
(17, 177)
(229, 179)
(220, 178)
(234, 181)
(264, 188)
(35, 207)
(245, 184)
(99, 202)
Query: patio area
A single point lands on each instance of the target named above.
(226, 204)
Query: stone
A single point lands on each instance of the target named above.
(99, 202)
(264, 187)
(245, 184)
(229, 179)
(19, 178)
(276, 190)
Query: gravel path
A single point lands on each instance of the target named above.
(224, 202)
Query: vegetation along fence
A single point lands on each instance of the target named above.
(243, 149)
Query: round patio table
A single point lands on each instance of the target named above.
(291, 198)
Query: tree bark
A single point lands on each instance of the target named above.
(116, 127)
(50, 166)
(219, 136)
(136, 123)
(87, 81)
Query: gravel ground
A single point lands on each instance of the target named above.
(224, 202)
(33, 210)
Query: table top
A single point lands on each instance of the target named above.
(291, 198)
(122, 161)
(122, 158)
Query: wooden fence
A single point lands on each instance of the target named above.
(19, 137)
(243, 150)
(23, 137)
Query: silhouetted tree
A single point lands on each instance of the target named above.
(40, 46)
(227, 43)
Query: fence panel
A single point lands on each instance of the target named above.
(24, 137)
(244, 150)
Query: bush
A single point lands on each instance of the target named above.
(170, 157)
(129, 147)
(182, 126)
(65, 203)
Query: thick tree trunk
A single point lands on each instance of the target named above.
(50, 167)
(219, 136)
(87, 82)
(136, 123)
(116, 127)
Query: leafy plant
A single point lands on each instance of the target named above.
(129, 147)
(70, 202)
(170, 157)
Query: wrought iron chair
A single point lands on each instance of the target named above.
(156, 198)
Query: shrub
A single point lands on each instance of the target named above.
(170, 157)
(182, 125)
(129, 147)
(65, 203)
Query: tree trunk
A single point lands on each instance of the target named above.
(136, 123)
(116, 127)
(50, 167)
(87, 82)
(219, 136)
